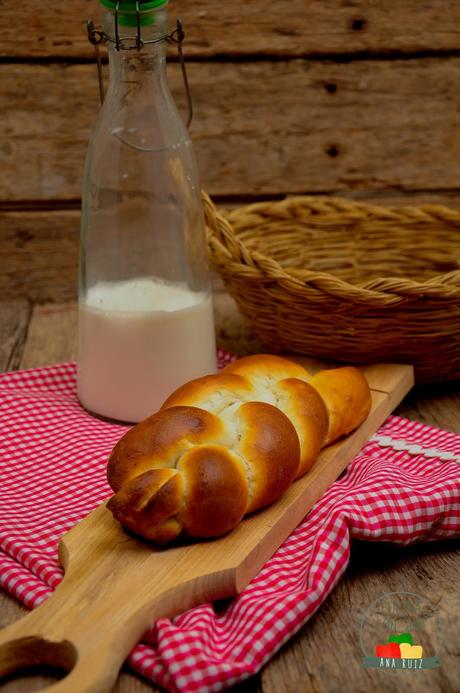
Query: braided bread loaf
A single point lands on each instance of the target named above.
(225, 445)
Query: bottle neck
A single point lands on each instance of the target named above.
(134, 71)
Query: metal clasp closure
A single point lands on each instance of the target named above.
(96, 38)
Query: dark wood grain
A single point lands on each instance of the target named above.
(260, 128)
(324, 656)
(52, 336)
(39, 253)
(284, 27)
(436, 405)
(14, 320)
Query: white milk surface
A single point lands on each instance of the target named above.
(138, 341)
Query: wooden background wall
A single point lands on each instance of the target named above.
(291, 96)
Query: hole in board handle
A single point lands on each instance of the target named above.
(55, 659)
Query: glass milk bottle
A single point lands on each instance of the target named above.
(145, 305)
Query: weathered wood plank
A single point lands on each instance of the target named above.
(285, 27)
(14, 320)
(260, 128)
(437, 405)
(52, 336)
(39, 255)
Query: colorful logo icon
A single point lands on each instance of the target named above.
(400, 647)
(399, 650)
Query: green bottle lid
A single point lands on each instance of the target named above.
(127, 10)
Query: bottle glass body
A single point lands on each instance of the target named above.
(145, 306)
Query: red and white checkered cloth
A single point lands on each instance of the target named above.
(403, 487)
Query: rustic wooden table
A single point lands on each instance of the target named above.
(323, 657)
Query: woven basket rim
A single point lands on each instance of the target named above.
(322, 202)
(378, 291)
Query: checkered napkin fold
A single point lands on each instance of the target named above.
(403, 487)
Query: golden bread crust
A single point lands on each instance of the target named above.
(270, 446)
(147, 504)
(267, 366)
(346, 393)
(160, 440)
(210, 392)
(216, 491)
(306, 410)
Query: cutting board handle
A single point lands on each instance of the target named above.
(48, 636)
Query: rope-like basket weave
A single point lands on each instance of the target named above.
(346, 281)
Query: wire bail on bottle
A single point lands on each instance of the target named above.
(97, 37)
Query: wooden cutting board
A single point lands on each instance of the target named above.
(116, 585)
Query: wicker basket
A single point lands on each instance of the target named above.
(344, 280)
